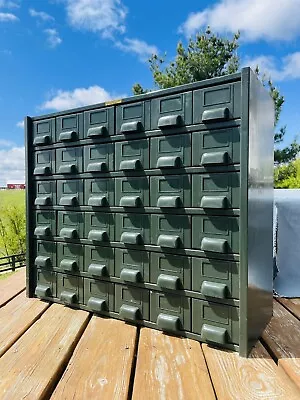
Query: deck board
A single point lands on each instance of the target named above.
(170, 368)
(101, 365)
(293, 305)
(12, 286)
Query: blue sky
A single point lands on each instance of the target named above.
(59, 54)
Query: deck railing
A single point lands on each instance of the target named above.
(12, 262)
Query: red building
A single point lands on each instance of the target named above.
(15, 186)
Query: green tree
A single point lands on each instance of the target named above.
(12, 230)
(287, 176)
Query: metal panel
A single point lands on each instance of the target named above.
(100, 261)
(70, 193)
(45, 224)
(69, 160)
(128, 259)
(45, 193)
(170, 191)
(132, 155)
(47, 279)
(72, 221)
(44, 132)
(137, 299)
(70, 289)
(45, 250)
(137, 113)
(133, 224)
(171, 231)
(132, 191)
(99, 158)
(67, 124)
(44, 163)
(70, 257)
(99, 123)
(99, 192)
(99, 295)
(102, 223)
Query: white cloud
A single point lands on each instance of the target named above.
(104, 16)
(62, 100)
(53, 38)
(9, 4)
(20, 124)
(142, 49)
(40, 15)
(8, 17)
(256, 19)
(12, 165)
(6, 143)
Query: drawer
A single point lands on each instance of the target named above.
(100, 261)
(133, 118)
(170, 312)
(171, 231)
(45, 224)
(170, 191)
(170, 272)
(69, 160)
(45, 193)
(70, 289)
(132, 266)
(172, 151)
(46, 285)
(99, 158)
(45, 252)
(70, 225)
(44, 163)
(99, 296)
(215, 278)
(215, 323)
(99, 123)
(70, 257)
(44, 132)
(99, 227)
(215, 234)
(171, 111)
(132, 155)
(69, 128)
(132, 303)
(132, 192)
(133, 229)
(217, 103)
(70, 193)
(216, 191)
(216, 147)
(99, 192)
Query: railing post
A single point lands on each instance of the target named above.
(13, 263)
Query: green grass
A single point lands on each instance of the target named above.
(12, 197)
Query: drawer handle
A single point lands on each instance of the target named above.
(43, 291)
(97, 305)
(68, 201)
(171, 282)
(214, 289)
(216, 157)
(68, 297)
(42, 140)
(43, 201)
(134, 126)
(214, 334)
(42, 231)
(129, 165)
(97, 167)
(68, 233)
(68, 136)
(130, 313)
(214, 202)
(68, 169)
(170, 121)
(98, 201)
(131, 275)
(214, 245)
(131, 201)
(42, 171)
(97, 131)
(131, 238)
(98, 236)
(216, 114)
(171, 241)
(98, 270)
(168, 322)
(169, 201)
(169, 162)
(69, 265)
(43, 262)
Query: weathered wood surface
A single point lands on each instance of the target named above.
(293, 305)
(12, 286)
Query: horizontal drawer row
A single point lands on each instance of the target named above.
(220, 147)
(209, 233)
(171, 313)
(214, 190)
(214, 278)
(218, 103)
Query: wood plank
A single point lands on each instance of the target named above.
(101, 365)
(16, 317)
(31, 367)
(293, 305)
(12, 286)
(170, 368)
(256, 377)
(282, 336)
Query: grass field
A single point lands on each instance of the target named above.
(12, 197)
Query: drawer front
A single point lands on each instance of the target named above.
(99, 192)
(99, 295)
(44, 163)
(45, 193)
(171, 231)
(132, 155)
(132, 266)
(217, 103)
(132, 192)
(216, 147)
(215, 278)
(170, 191)
(100, 261)
(99, 158)
(133, 228)
(133, 118)
(131, 303)
(70, 289)
(44, 132)
(46, 285)
(171, 313)
(70, 257)
(215, 234)
(45, 252)
(69, 128)
(171, 112)
(70, 193)
(170, 151)
(69, 160)
(70, 225)
(99, 123)
(215, 323)
(45, 224)
(100, 227)
(216, 191)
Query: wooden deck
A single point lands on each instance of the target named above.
(50, 351)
